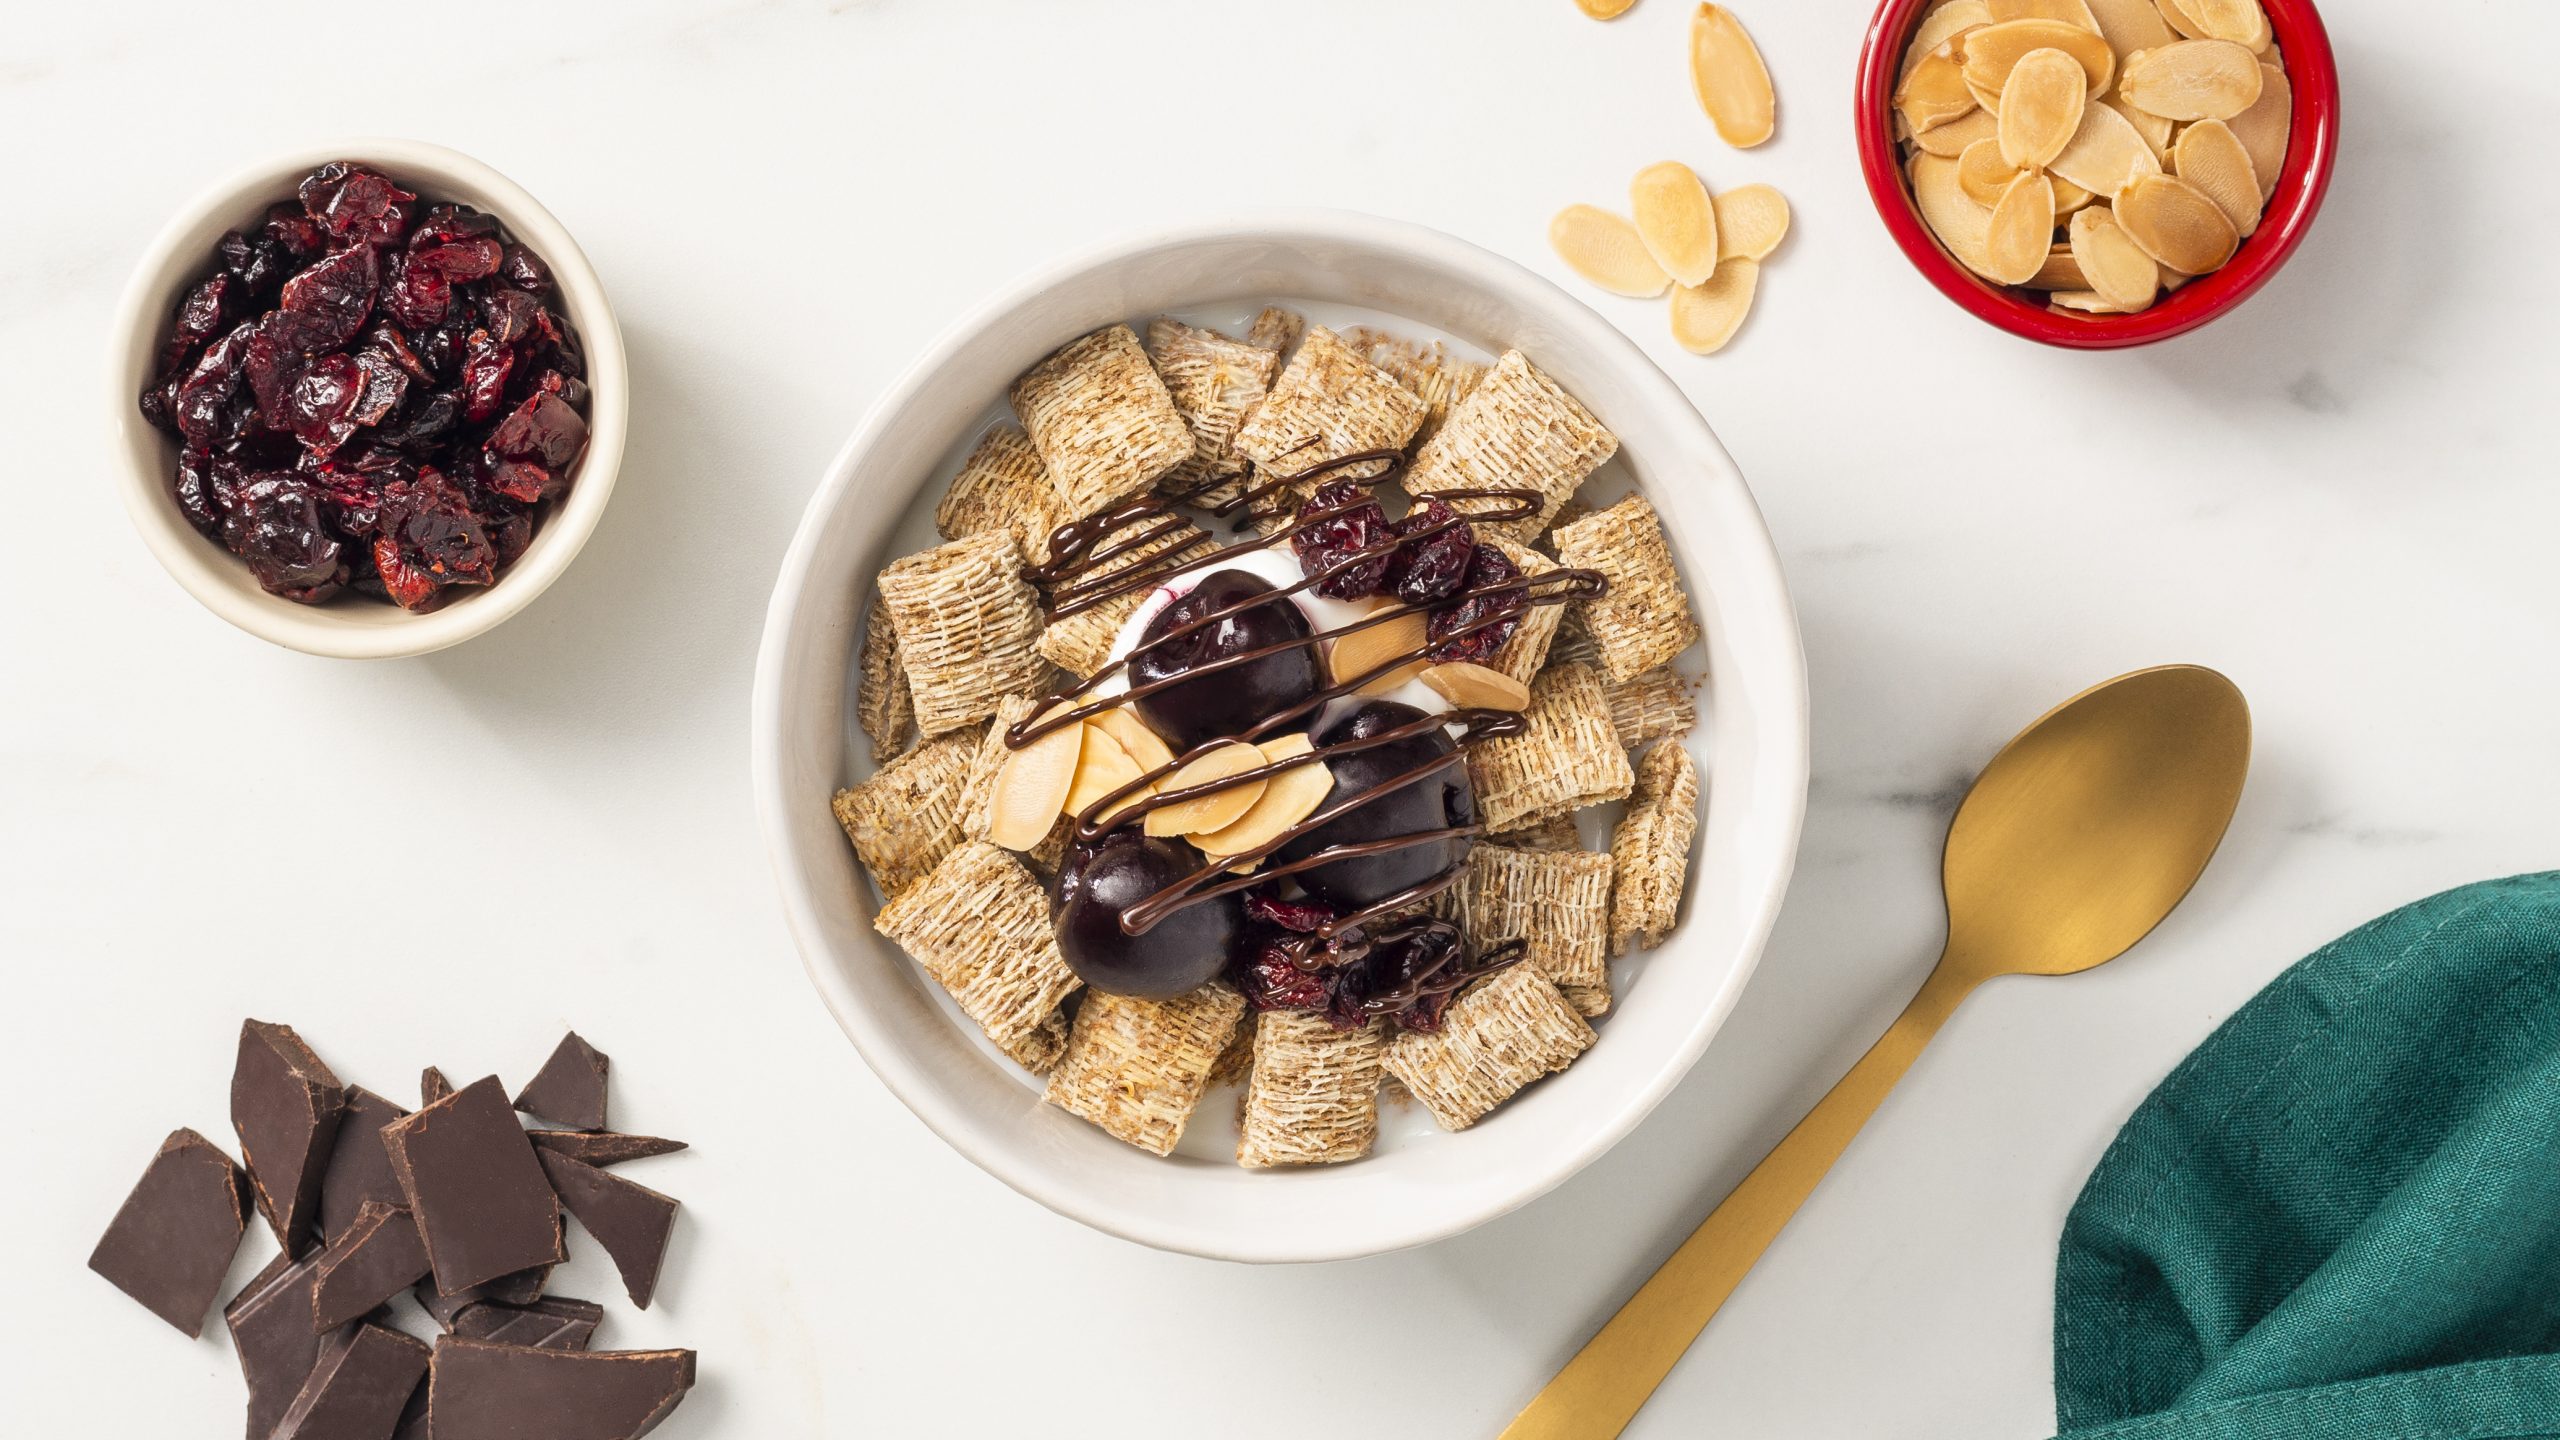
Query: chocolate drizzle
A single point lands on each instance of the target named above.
(1077, 577)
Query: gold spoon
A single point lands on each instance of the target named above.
(2079, 837)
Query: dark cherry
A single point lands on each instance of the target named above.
(1097, 885)
(1442, 800)
(1232, 700)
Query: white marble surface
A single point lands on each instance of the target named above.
(2342, 496)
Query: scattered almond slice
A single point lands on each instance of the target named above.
(1144, 745)
(1984, 175)
(2176, 224)
(2087, 302)
(1219, 808)
(1985, 98)
(1750, 222)
(1731, 80)
(1605, 9)
(1704, 317)
(2104, 153)
(2113, 265)
(1676, 219)
(1606, 250)
(2156, 131)
(2040, 107)
(2069, 12)
(1949, 140)
(2267, 127)
(1991, 52)
(2242, 22)
(1934, 93)
(2213, 160)
(2193, 80)
(1032, 785)
(2059, 272)
(1287, 798)
(2131, 25)
(1961, 225)
(1348, 657)
(2068, 197)
(2182, 20)
(1101, 768)
(2021, 232)
(1942, 25)
(1470, 686)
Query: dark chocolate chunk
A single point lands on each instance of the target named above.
(521, 1288)
(359, 1169)
(630, 1221)
(284, 1104)
(270, 1322)
(173, 1238)
(432, 1086)
(479, 1195)
(553, 1322)
(602, 1147)
(379, 1256)
(357, 1391)
(569, 1088)
(482, 1390)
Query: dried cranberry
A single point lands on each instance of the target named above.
(1430, 568)
(510, 316)
(389, 340)
(192, 485)
(510, 531)
(425, 422)
(259, 264)
(1336, 522)
(1271, 980)
(1298, 915)
(1488, 567)
(201, 315)
(321, 410)
(484, 377)
(409, 586)
(430, 523)
(385, 383)
(293, 230)
(333, 297)
(274, 523)
(445, 224)
(543, 430)
(205, 396)
(460, 261)
(356, 205)
(525, 271)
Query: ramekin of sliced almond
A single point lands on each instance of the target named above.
(2092, 157)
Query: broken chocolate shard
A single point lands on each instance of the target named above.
(483, 1390)
(630, 1221)
(270, 1322)
(521, 1288)
(482, 1203)
(602, 1147)
(358, 1390)
(284, 1105)
(569, 1088)
(173, 1238)
(551, 1322)
(432, 1086)
(379, 1256)
(359, 1169)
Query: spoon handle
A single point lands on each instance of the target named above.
(1603, 1386)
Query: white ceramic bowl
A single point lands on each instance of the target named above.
(354, 627)
(1753, 746)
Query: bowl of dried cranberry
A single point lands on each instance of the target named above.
(369, 397)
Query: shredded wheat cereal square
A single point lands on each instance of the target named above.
(1505, 1031)
(1081, 643)
(1556, 900)
(978, 786)
(1572, 644)
(1312, 1098)
(1215, 382)
(1590, 1001)
(906, 817)
(1653, 706)
(881, 702)
(1567, 758)
(1430, 371)
(1516, 429)
(1327, 404)
(1002, 486)
(1276, 330)
(1651, 849)
(1525, 653)
(1644, 620)
(1136, 1067)
(966, 627)
(1551, 832)
(1102, 420)
(979, 925)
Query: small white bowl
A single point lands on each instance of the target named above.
(355, 628)
(1753, 746)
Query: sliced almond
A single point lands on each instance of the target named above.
(1933, 93)
(1605, 9)
(2069, 12)
(2040, 108)
(1704, 317)
(2021, 230)
(2104, 153)
(2060, 272)
(2131, 25)
(1287, 798)
(2213, 160)
(1960, 224)
(1475, 687)
(1942, 25)
(2157, 131)
(1985, 98)
(1217, 809)
(2113, 265)
(2068, 198)
(1031, 788)
(1144, 745)
(2193, 80)
(1606, 250)
(1351, 656)
(1676, 219)
(2087, 302)
(2182, 20)
(1991, 52)
(1750, 222)
(2176, 224)
(1731, 80)
(2242, 22)
(1984, 175)
(1101, 768)
(1949, 140)
(2267, 127)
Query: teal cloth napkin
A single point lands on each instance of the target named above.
(2341, 1216)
